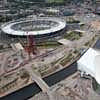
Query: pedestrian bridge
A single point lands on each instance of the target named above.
(41, 83)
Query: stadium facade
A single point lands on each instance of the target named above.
(39, 27)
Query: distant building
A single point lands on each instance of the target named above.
(97, 6)
(52, 10)
(52, 1)
(46, 1)
(3, 2)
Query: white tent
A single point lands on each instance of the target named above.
(90, 63)
(97, 68)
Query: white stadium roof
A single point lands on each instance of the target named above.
(90, 63)
(7, 28)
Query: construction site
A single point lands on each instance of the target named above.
(43, 49)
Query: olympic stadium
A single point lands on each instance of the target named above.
(39, 27)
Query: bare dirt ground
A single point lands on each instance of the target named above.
(72, 88)
(95, 24)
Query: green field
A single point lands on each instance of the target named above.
(73, 35)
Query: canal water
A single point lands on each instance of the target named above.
(97, 44)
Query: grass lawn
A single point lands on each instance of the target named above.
(73, 35)
(66, 59)
(49, 44)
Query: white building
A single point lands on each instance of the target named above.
(89, 64)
